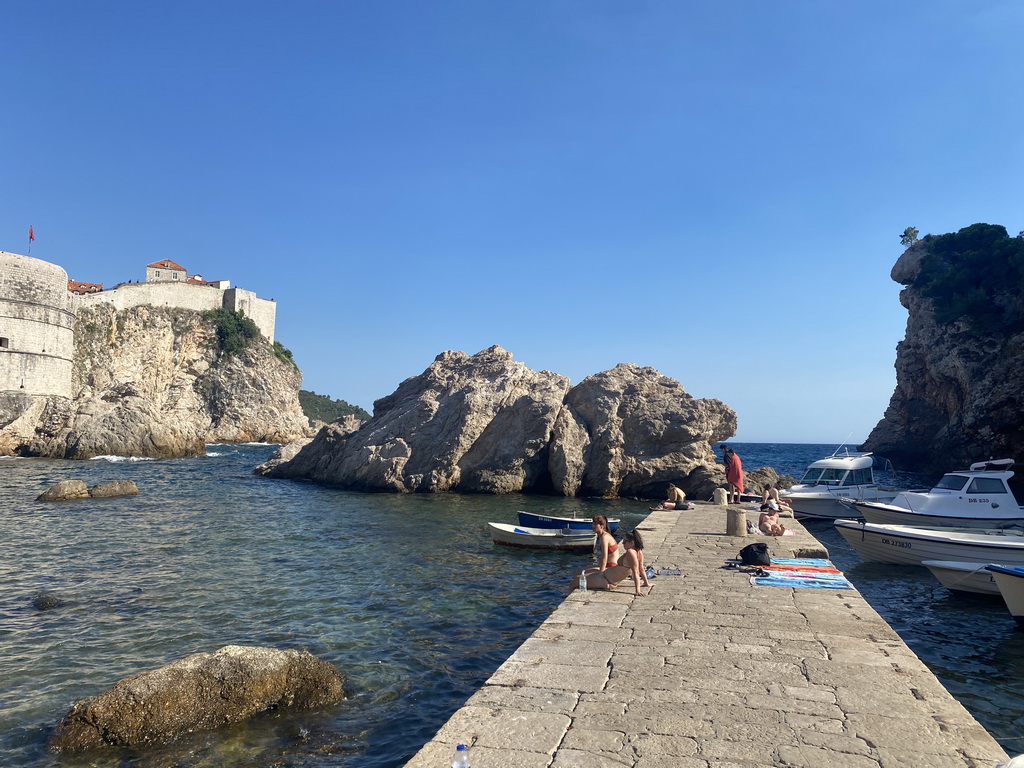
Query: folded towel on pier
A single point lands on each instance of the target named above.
(809, 572)
(801, 579)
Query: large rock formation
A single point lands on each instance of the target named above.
(629, 431)
(150, 381)
(200, 692)
(487, 424)
(467, 424)
(958, 370)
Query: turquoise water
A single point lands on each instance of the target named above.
(405, 594)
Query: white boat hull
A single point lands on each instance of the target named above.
(826, 504)
(912, 546)
(887, 514)
(1010, 582)
(963, 577)
(541, 538)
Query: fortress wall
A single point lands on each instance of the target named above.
(262, 311)
(186, 296)
(36, 326)
(195, 297)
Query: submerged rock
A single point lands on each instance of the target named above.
(116, 488)
(46, 601)
(200, 692)
(65, 490)
(76, 489)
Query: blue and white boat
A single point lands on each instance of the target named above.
(541, 538)
(531, 520)
(1010, 580)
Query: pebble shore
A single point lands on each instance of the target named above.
(710, 671)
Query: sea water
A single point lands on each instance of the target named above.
(405, 594)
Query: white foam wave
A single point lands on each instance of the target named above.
(121, 458)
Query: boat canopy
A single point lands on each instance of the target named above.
(852, 469)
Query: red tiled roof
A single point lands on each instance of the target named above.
(166, 264)
(75, 286)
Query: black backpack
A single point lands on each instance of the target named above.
(755, 554)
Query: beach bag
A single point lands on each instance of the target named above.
(755, 554)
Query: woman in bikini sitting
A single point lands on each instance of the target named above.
(615, 571)
(769, 521)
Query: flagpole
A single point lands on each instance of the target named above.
(31, 237)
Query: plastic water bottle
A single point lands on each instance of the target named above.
(461, 759)
(583, 581)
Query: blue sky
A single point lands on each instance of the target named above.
(714, 189)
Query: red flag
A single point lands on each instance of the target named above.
(31, 234)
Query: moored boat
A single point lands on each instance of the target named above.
(1010, 581)
(541, 538)
(907, 544)
(532, 520)
(836, 477)
(963, 577)
(979, 497)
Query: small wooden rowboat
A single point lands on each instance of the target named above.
(541, 538)
(532, 520)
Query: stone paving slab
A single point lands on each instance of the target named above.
(709, 671)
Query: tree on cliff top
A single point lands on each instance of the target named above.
(909, 237)
(976, 276)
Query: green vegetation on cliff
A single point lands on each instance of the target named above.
(976, 276)
(235, 331)
(322, 408)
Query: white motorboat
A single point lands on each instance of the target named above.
(979, 497)
(839, 476)
(911, 545)
(963, 577)
(541, 538)
(1010, 581)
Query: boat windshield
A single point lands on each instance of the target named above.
(952, 482)
(859, 477)
(818, 476)
(987, 485)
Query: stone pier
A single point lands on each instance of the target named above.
(709, 671)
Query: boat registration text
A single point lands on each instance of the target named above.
(896, 543)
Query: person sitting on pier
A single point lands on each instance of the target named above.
(676, 499)
(769, 521)
(630, 564)
(771, 496)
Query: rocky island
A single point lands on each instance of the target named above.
(486, 423)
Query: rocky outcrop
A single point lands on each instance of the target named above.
(150, 381)
(487, 424)
(630, 431)
(200, 692)
(958, 369)
(470, 424)
(75, 489)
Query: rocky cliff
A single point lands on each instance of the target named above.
(959, 377)
(151, 381)
(488, 424)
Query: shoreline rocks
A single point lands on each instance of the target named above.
(199, 692)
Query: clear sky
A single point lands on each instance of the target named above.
(714, 188)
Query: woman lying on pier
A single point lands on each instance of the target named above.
(631, 562)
